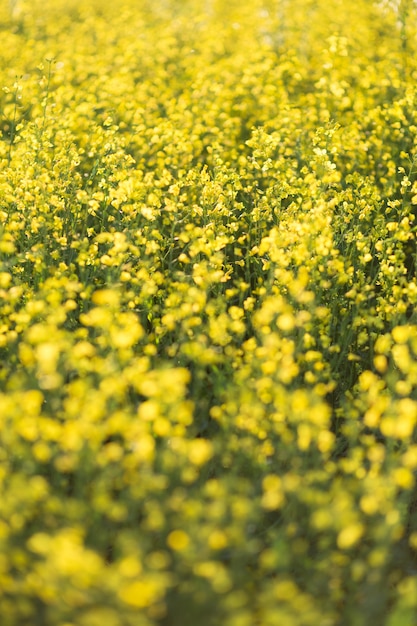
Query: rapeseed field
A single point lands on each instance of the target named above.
(208, 313)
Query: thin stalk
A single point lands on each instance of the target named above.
(13, 125)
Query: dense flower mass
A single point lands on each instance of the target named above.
(208, 313)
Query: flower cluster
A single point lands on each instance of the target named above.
(208, 327)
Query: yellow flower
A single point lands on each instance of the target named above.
(350, 535)
(178, 540)
(273, 496)
(200, 451)
(141, 593)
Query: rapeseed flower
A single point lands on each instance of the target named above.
(208, 405)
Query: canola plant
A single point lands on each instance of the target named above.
(208, 323)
